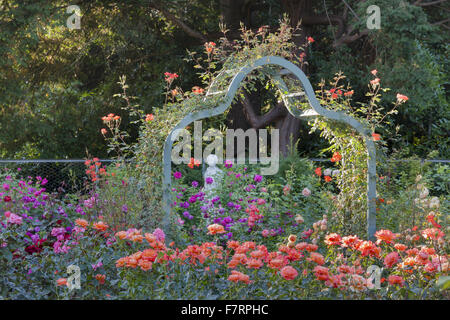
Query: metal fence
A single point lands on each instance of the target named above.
(64, 176)
(69, 175)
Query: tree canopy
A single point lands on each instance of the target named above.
(56, 83)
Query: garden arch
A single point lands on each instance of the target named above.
(317, 110)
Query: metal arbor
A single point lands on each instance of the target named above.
(288, 98)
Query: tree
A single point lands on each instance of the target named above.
(343, 23)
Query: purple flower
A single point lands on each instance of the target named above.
(124, 208)
(97, 265)
(228, 164)
(257, 178)
(177, 175)
(184, 205)
(228, 220)
(250, 187)
(209, 180)
(187, 215)
(195, 184)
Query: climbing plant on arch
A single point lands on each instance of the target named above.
(223, 90)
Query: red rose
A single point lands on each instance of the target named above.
(7, 199)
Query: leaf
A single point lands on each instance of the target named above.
(443, 282)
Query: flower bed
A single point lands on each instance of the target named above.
(42, 236)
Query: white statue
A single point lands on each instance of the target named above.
(213, 176)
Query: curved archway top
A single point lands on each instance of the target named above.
(316, 110)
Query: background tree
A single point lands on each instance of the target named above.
(56, 83)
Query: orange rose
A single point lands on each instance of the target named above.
(150, 237)
(131, 263)
(121, 235)
(332, 239)
(82, 223)
(385, 235)
(257, 254)
(215, 228)
(100, 278)
(317, 258)
(276, 263)
(391, 259)
(121, 262)
(145, 265)
(254, 263)
(61, 282)
(400, 247)
(321, 273)
(239, 276)
(289, 273)
(100, 226)
(393, 279)
(137, 238)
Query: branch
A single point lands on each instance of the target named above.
(347, 38)
(441, 22)
(314, 19)
(191, 32)
(258, 122)
(425, 4)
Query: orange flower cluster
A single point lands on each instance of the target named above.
(318, 171)
(333, 239)
(159, 253)
(111, 118)
(100, 278)
(94, 169)
(401, 98)
(336, 157)
(237, 276)
(376, 136)
(135, 236)
(197, 90)
(385, 235)
(193, 163)
(248, 255)
(349, 93)
(169, 77)
(82, 223)
(100, 226)
(149, 117)
(289, 273)
(61, 282)
(215, 229)
(335, 93)
(209, 47)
